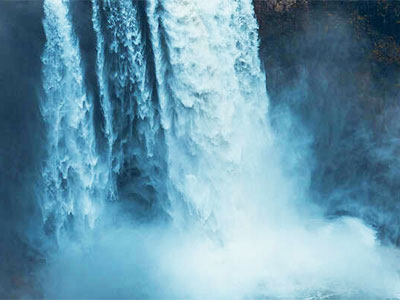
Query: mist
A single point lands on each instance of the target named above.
(131, 260)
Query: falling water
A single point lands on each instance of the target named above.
(213, 104)
(185, 126)
(124, 75)
(71, 174)
(104, 95)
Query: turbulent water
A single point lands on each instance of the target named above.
(179, 186)
(72, 179)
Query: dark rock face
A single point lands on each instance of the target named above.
(336, 65)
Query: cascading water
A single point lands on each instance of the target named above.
(71, 176)
(185, 109)
(213, 105)
(104, 95)
(126, 91)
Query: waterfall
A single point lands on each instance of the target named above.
(105, 100)
(213, 105)
(185, 138)
(127, 94)
(72, 175)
